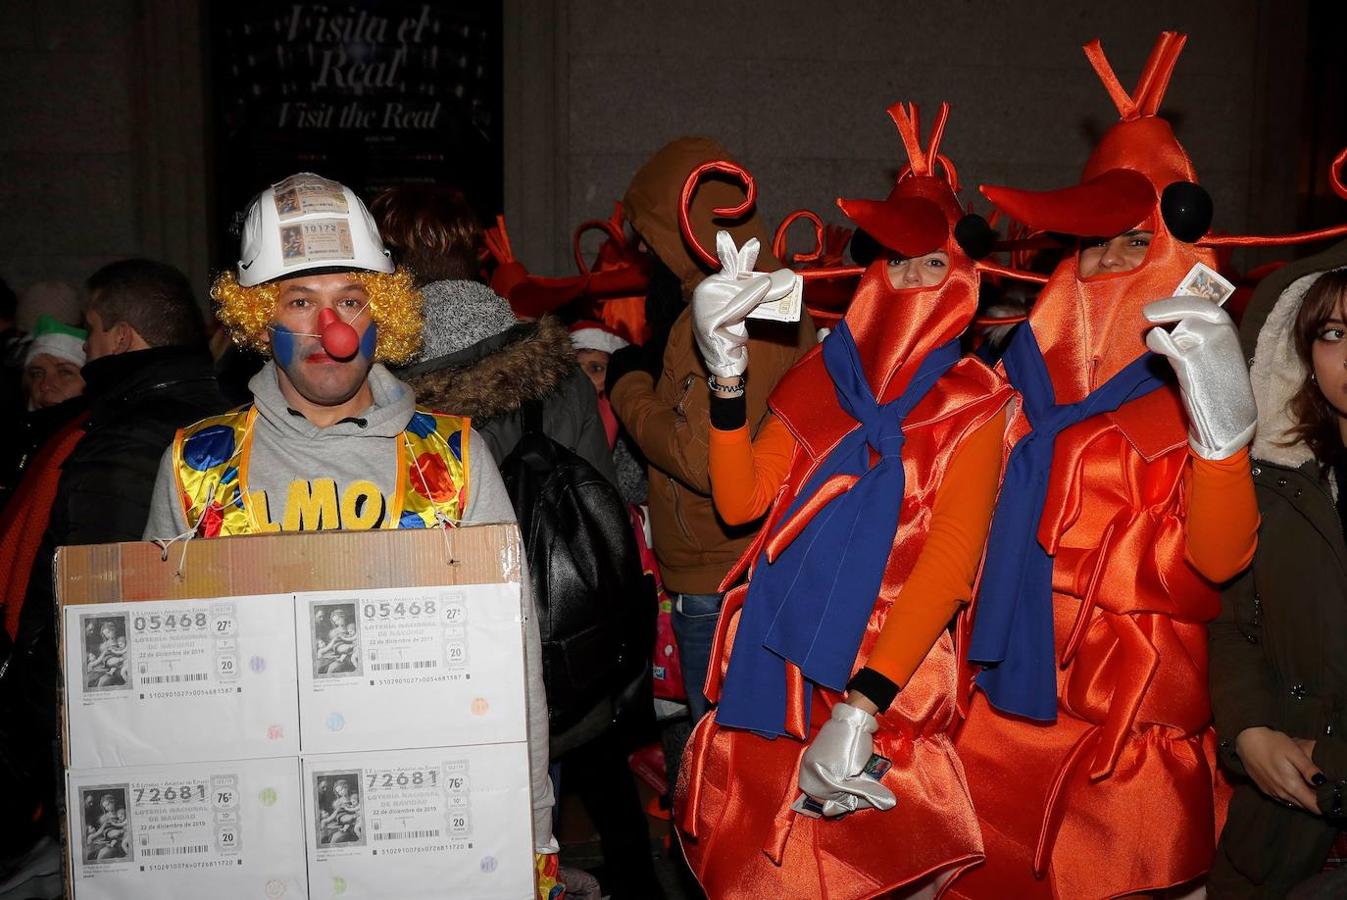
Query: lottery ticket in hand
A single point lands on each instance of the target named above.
(1204, 281)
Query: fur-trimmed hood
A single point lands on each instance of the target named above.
(1276, 370)
(498, 375)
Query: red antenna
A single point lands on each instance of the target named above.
(1281, 240)
(612, 226)
(1154, 80)
(922, 161)
(690, 188)
(779, 240)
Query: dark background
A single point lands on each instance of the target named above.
(142, 126)
(371, 93)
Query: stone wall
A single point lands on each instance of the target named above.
(797, 90)
(67, 186)
(102, 116)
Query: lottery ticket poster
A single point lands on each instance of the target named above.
(372, 662)
(169, 681)
(436, 823)
(209, 831)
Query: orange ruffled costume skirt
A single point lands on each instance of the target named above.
(741, 838)
(1058, 823)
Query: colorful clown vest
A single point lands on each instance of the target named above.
(211, 459)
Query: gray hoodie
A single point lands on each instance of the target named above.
(289, 457)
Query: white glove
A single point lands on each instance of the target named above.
(723, 300)
(1204, 350)
(830, 770)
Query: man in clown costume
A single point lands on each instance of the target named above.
(331, 439)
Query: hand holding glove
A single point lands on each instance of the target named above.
(1204, 350)
(830, 770)
(723, 300)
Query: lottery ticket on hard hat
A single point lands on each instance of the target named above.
(1204, 281)
(787, 309)
(300, 195)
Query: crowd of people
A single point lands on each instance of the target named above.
(1006, 577)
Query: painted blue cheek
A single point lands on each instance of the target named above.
(369, 340)
(208, 447)
(283, 345)
(411, 520)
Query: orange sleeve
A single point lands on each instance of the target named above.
(1222, 523)
(942, 580)
(745, 474)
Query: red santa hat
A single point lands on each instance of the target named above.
(587, 334)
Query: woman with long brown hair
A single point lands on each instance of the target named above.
(1278, 668)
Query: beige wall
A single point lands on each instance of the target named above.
(102, 135)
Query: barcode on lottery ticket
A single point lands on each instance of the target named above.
(418, 664)
(175, 679)
(406, 835)
(174, 851)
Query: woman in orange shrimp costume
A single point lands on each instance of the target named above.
(838, 646)
(1088, 744)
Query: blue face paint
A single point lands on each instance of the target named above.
(283, 346)
(369, 340)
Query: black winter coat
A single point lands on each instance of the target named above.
(137, 401)
(492, 380)
(1279, 660)
(1278, 650)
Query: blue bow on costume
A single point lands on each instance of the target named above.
(1012, 626)
(811, 604)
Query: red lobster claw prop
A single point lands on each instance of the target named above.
(533, 296)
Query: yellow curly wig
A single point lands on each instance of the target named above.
(395, 306)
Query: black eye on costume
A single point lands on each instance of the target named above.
(864, 248)
(1187, 210)
(974, 236)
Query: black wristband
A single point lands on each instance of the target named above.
(728, 413)
(877, 689)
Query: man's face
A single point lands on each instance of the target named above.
(101, 341)
(296, 343)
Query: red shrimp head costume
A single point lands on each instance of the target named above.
(876, 413)
(1089, 617)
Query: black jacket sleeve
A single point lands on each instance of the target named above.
(1241, 696)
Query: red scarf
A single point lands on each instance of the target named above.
(24, 521)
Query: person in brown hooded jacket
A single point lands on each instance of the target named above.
(662, 398)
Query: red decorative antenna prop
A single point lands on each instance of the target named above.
(728, 212)
(1281, 240)
(612, 227)
(779, 240)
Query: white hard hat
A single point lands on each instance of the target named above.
(307, 222)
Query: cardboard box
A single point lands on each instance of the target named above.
(172, 681)
(209, 831)
(110, 595)
(262, 588)
(420, 824)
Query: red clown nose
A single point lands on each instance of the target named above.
(339, 339)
